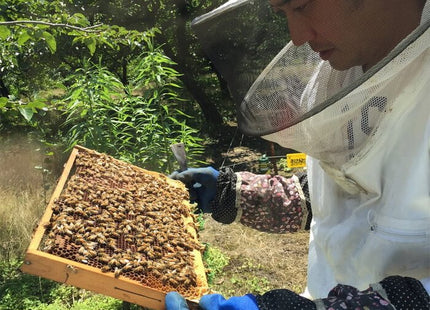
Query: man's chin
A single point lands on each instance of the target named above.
(340, 66)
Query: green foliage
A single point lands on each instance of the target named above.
(247, 277)
(283, 165)
(31, 33)
(71, 298)
(22, 291)
(136, 123)
(215, 262)
(128, 105)
(200, 220)
(18, 112)
(253, 284)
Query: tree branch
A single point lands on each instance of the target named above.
(39, 22)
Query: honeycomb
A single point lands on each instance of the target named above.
(127, 221)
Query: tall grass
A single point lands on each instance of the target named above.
(26, 184)
(24, 191)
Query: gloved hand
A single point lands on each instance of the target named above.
(175, 301)
(201, 183)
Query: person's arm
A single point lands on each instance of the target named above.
(264, 202)
(392, 293)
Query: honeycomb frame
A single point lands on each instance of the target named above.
(121, 265)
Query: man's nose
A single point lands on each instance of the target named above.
(300, 30)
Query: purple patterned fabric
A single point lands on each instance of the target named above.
(271, 203)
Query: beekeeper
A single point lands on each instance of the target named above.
(351, 90)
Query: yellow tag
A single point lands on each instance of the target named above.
(296, 160)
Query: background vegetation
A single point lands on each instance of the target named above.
(127, 78)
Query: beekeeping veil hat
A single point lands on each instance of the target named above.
(295, 99)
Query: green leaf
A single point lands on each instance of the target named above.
(80, 19)
(3, 102)
(91, 44)
(76, 39)
(37, 104)
(4, 32)
(23, 37)
(50, 40)
(26, 112)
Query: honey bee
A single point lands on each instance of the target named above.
(114, 234)
(124, 261)
(113, 262)
(68, 232)
(148, 239)
(48, 245)
(142, 248)
(118, 216)
(92, 253)
(168, 247)
(104, 259)
(173, 282)
(92, 237)
(82, 251)
(52, 235)
(127, 267)
(157, 248)
(128, 239)
(117, 272)
(93, 210)
(156, 273)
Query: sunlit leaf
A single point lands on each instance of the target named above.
(26, 112)
(23, 37)
(91, 44)
(3, 102)
(37, 104)
(4, 32)
(80, 19)
(50, 40)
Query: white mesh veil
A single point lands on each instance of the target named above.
(330, 121)
(336, 127)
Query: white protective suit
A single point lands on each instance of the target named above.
(367, 135)
(371, 213)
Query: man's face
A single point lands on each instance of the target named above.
(349, 33)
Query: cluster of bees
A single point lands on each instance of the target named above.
(124, 220)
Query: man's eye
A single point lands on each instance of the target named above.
(300, 5)
(300, 8)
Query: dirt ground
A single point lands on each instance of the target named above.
(258, 261)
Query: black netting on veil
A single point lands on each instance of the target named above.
(240, 38)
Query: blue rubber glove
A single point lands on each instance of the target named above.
(218, 302)
(175, 301)
(201, 183)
